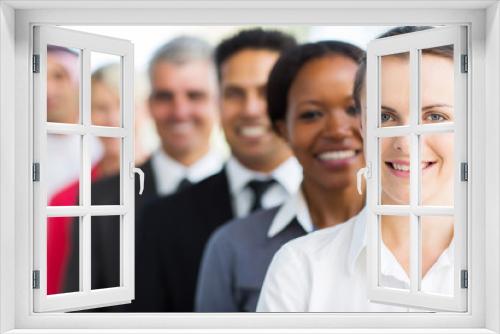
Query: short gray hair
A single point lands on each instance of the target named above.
(181, 50)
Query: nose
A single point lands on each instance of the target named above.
(180, 108)
(254, 105)
(401, 144)
(338, 124)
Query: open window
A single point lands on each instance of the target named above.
(408, 182)
(83, 135)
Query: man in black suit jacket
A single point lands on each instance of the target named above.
(183, 105)
(260, 173)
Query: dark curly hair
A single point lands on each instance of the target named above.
(288, 66)
(257, 38)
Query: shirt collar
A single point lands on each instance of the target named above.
(288, 175)
(359, 238)
(169, 172)
(294, 207)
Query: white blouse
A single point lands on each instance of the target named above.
(326, 271)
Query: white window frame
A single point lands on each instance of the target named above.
(124, 51)
(412, 44)
(16, 19)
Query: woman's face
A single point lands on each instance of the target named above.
(322, 127)
(106, 112)
(436, 149)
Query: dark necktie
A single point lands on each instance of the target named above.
(185, 183)
(258, 188)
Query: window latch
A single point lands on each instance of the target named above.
(362, 172)
(134, 170)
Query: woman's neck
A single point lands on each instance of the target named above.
(436, 234)
(329, 207)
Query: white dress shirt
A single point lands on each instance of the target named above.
(288, 177)
(170, 172)
(325, 271)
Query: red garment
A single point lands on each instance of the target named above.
(59, 235)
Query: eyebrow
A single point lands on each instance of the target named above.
(437, 105)
(388, 109)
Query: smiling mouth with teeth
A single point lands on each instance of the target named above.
(337, 158)
(402, 168)
(253, 131)
(181, 127)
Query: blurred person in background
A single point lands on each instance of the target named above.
(63, 106)
(183, 105)
(261, 173)
(64, 158)
(311, 105)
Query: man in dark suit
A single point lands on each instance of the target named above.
(183, 104)
(260, 173)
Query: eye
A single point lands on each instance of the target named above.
(435, 117)
(352, 111)
(387, 117)
(196, 96)
(309, 115)
(233, 93)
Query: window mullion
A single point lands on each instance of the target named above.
(414, 171)
(85, 235)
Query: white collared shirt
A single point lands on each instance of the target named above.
(294, 207)
(325, 271)
(169, 172)
(288, 177)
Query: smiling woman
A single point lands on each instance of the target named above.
(311, 105)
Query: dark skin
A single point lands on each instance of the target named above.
(323, 130)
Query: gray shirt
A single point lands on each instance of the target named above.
(236, 259)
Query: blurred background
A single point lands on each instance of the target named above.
(147, 39)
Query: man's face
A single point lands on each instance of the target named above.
(62, 89)
(244, 109)
(183, 105)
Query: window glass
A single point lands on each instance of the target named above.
(63, 84)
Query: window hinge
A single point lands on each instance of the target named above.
(36, 279)
(465, 64)
(36, 63)
(464, 171)
(464, 279)
(36, 172)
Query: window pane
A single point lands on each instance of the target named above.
(437, 85)
(394, 90)
(105, 252)
(63, 84)
(62, 239)
(107, 192)
(436, 254)
(106, 89)
(63, 169)
(394, 252)
(394, 170)
(437, 168)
